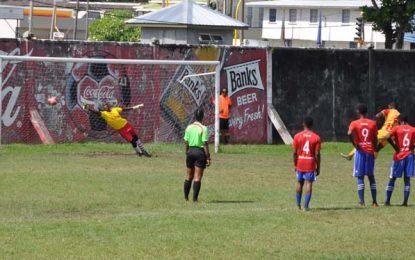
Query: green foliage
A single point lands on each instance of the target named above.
(112, 27)
(393, 18)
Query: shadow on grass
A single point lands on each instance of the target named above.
(231, 201)
(337, 208)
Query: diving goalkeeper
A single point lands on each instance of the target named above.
(112, 116)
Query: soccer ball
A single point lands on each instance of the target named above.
(52, 101)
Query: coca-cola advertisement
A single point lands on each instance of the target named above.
(168, 95)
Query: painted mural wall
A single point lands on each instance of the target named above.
(169, 101)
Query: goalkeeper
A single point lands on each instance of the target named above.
(113, 118)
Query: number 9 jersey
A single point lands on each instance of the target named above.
(365, 131)
(306, 144)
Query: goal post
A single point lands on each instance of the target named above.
(171, 90)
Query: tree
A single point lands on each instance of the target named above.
(393, 18)
(112, 27)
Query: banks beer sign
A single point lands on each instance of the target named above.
(194, 85)
(243, 76)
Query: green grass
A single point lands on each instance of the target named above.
(101, 201)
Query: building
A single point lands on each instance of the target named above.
(65, 17)
(187, 23)
(298, 23)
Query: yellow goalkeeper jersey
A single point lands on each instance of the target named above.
(391, 118)
(114, 118)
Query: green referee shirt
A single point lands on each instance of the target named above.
(196, 135)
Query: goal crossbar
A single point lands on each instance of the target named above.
(126, 62)
(109, 61)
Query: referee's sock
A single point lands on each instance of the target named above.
(187, 185)
(196, 189)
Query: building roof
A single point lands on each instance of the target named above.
(312, 3)
(186, 14)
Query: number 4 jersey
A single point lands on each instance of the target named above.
(404, 137)
(365, 131)
(306, 144)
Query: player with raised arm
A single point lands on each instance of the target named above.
(113, 117)
(197, 155)
(402, 139)
(306, 155)
(363, 135)
(390, 115)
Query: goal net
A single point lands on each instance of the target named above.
(170, 91)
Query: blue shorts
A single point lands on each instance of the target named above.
(405, 165)
(364, 164)
(306, 176)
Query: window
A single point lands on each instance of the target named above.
(204, 38)
(261, 17)
(210, 39)
(345, 16)
(272, 15)
(313, 15)
(217, 39)
(249, 17)
(293, 16)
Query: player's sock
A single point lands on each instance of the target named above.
(361, 190)
(406, 190)
(196, 189)
(141, 146)
(136, 148)
(373, 189)
(307, 199)
(298, 196)
(389, 191)
(187, 185)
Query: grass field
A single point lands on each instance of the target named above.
(101, 201)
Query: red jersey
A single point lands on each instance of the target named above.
(404, 137)
(365, 131)
(306, 144)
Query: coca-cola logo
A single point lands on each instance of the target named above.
(8, 91)
(92, 92)
(105, 92)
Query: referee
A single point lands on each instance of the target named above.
(197, 155)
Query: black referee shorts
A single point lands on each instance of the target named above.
(223, 124)
(196, 157)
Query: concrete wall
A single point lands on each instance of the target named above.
(327, 84)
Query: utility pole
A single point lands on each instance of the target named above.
(242, 20)
(87, 21)
(76, 20)
(30, 19)
(52, 22)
